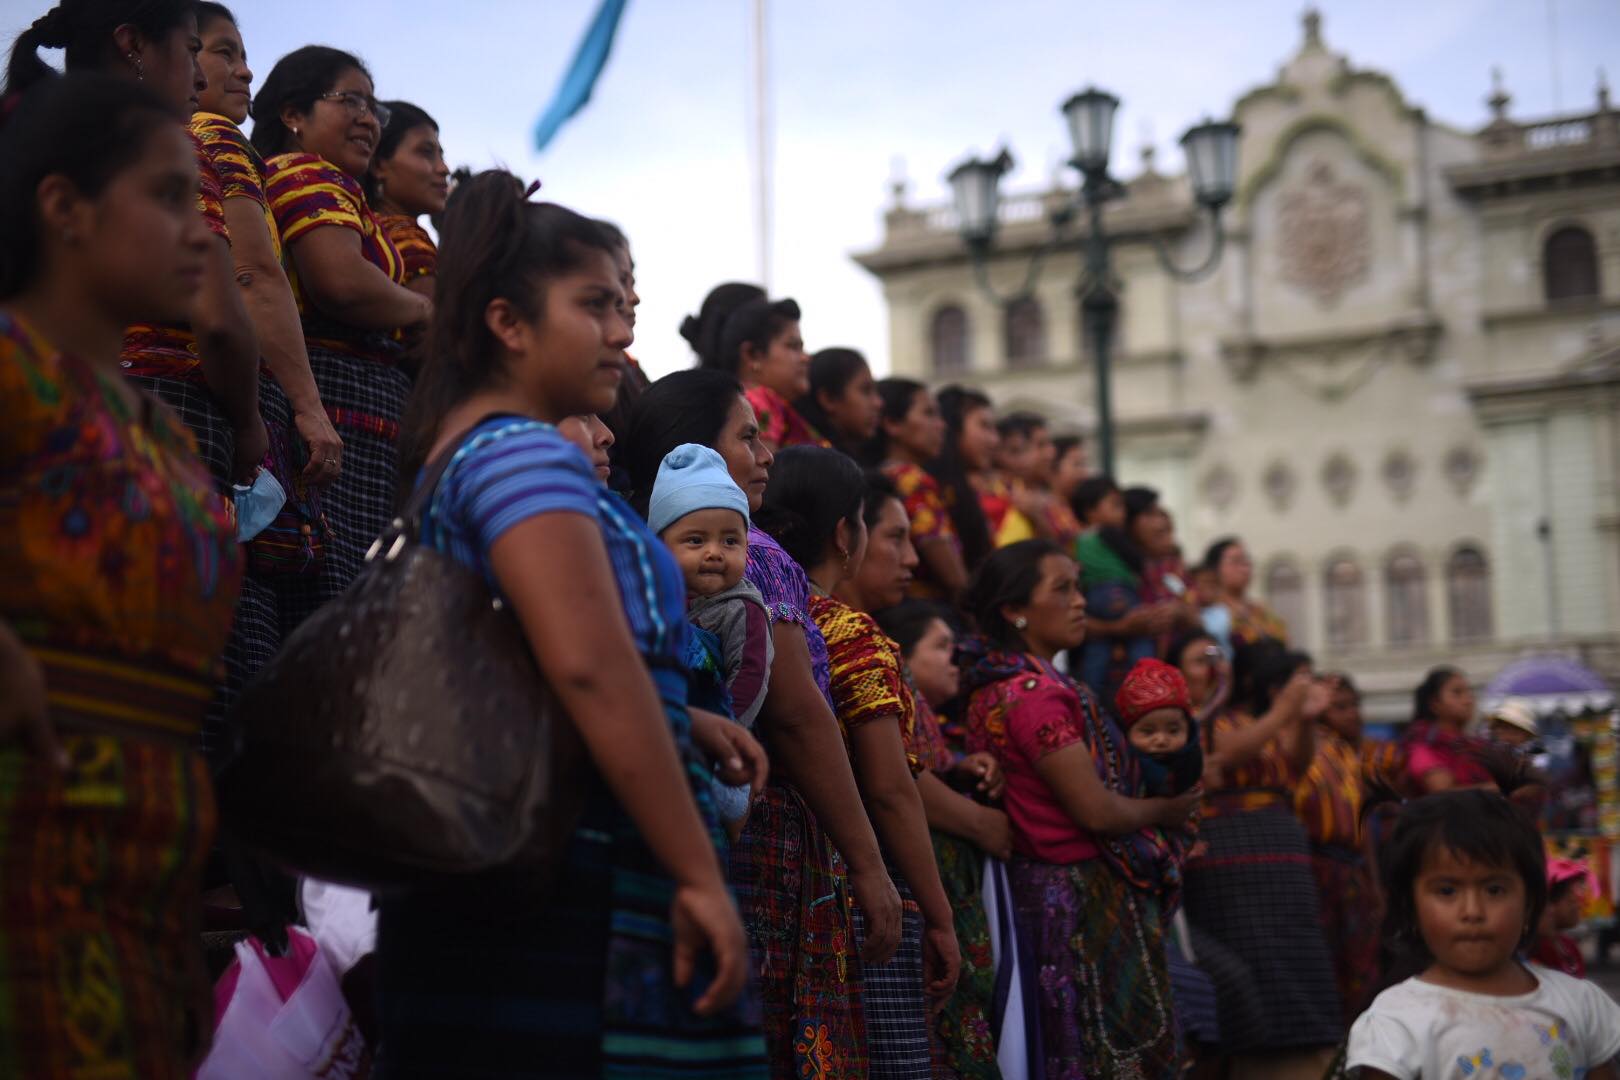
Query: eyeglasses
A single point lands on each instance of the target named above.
(360, 104)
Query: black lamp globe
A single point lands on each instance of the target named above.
(1090, 116)
(975, 188)
(1211, 149)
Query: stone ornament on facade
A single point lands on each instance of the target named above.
(1461, 468)
(1324, 238)
(1220, 486)
(1339, 478)
(1279, 483)
(1400, 474)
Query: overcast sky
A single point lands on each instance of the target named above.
(663, 148)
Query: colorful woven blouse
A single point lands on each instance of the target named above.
(1329, 798)
(112, 541)
(237, 163)
(866, 681)
(416, 247)
(786, 591)
(1429, 747)
(929, 514)
(511, 469)
(926, 744)
(169, 351)
(307, 192)
(780, 423)
(1266, 781)
(1254, 621)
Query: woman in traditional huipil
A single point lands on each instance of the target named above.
(408, 179)
(204, 364)
(854, 544)
(605, 975)
(1251, 898)
(306, 454)
(317, 123)
(795, 887)
(742, 331)
(118, 569)
(910, 435)
(1096, 866)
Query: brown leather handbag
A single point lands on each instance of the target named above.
(404, 732)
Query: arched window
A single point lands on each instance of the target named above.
(1406, 601)
(1025, 333)
(1468, 595)
(1285, 595)
(948, 340)
(1345, 598)
(1569, 264)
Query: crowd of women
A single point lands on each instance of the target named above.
(914, 751)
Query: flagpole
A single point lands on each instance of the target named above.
(762, 149)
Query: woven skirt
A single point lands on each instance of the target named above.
(1105, 1000)
(101, 968)
(964, 1046)
(199, 410)
(490, 979)
(1251, 900)
(1351, 911)
(365, 398)
(897, 1026)
(795, 902)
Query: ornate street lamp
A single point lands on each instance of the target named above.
(1211, 152)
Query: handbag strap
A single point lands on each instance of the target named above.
(407, 527)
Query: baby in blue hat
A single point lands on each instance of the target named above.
(701, 515)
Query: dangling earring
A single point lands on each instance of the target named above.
(140, 71)
(1020, 623)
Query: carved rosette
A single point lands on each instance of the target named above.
(1324, 237)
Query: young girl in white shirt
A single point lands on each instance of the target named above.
(1466, 883)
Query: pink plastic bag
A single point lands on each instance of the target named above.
(283, 1018)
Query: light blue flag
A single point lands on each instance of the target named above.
(575, 89)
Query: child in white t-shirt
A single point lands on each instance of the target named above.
(1466, 882)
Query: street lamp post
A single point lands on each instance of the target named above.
(1211, 152)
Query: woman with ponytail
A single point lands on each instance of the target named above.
(970, 446)
(317, 123)
(118, 571)
(205, 365)
(843, 402)
(742, 331)
(636, 964)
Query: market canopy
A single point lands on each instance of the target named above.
(1551, 684)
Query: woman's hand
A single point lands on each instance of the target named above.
(986, 769)
(942, 965)
(24, 716)
(703, 917)
(880, 905)
(739, 756)
(995, 835)
(1175, 811)
(325, 447)
(250, 444)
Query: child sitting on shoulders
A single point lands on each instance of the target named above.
(1567, 883)
(1155, 710)
(701, 515)
(1466, 884)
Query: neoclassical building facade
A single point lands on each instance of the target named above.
(1401, 385)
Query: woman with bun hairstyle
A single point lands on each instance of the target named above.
(1096, 866)
(409, 178)
(854, 545)
(205, 365)
(634, 964)
(807, 850)
(118, 572)
(742, 331)
(317, 123)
